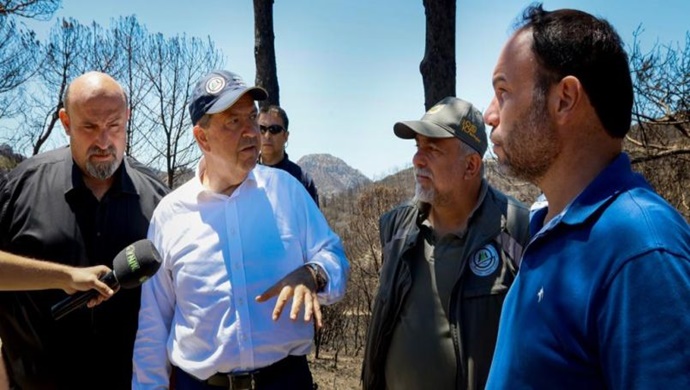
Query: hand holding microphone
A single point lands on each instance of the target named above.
(86, 279)
(131, 267)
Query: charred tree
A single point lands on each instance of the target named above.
(438, 65)
(265, 52)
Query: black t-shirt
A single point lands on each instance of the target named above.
(48, 213)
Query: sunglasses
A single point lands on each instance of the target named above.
(273, 129)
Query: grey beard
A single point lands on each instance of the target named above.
(422, 195)
(102, 171)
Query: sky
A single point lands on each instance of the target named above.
(349, 69)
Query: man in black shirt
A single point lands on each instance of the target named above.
(273, 124)
(77, 206)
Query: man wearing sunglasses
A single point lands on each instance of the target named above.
(273, 124)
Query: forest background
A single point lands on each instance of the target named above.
(41, 50)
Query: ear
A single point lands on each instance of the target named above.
(287, 135)
(474, 165)
(64, 119)
(200, 137)
(567, 95)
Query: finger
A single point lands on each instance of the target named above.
(285, 294)
(297, 301)
(269, 293)
(95, 301)
(317, 312)
(102, 270)
(103, 289)
(308, 305)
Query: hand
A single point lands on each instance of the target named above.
(301, 286)
(84, 279)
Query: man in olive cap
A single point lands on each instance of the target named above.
(449, 257)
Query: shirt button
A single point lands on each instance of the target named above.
(241, 301)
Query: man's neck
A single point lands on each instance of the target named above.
(219, 183)
(452, 217)
(571, 175)
(272, 159)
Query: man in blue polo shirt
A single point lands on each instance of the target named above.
(602, 299)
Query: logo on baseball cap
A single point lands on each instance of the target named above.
(219, 90)
(451, 117)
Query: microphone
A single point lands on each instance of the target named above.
(131, 267)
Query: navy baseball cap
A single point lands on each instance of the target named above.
(219, 90)
(451, 117)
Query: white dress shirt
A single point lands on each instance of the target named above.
(218, 253)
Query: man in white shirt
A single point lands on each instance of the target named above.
(237, 241)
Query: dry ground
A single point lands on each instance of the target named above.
(331, 375)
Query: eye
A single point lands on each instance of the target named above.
(501, 94)
(232, 121)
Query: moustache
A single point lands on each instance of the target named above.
(96, 151)
(248, 142)
(423, 172)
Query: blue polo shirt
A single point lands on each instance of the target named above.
(602, 299)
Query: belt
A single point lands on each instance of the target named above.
(246, 381)
(249, 380)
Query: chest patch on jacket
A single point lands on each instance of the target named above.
(484, 261)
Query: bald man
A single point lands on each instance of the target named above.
(77, 206)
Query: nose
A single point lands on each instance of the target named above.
(102, 140)
(419, 160)
(250, 128)
(491, 117)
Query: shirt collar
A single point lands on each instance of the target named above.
(616, 178)
(201, 191)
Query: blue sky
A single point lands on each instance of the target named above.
(349, 69)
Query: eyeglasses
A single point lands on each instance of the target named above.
(273, 129)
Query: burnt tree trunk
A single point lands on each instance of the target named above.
(264, 51)
(438, 65)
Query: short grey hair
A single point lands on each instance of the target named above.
(467, 150)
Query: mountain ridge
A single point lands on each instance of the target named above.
(331, 174)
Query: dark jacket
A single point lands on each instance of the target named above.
(298, 173)
(476, 301)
